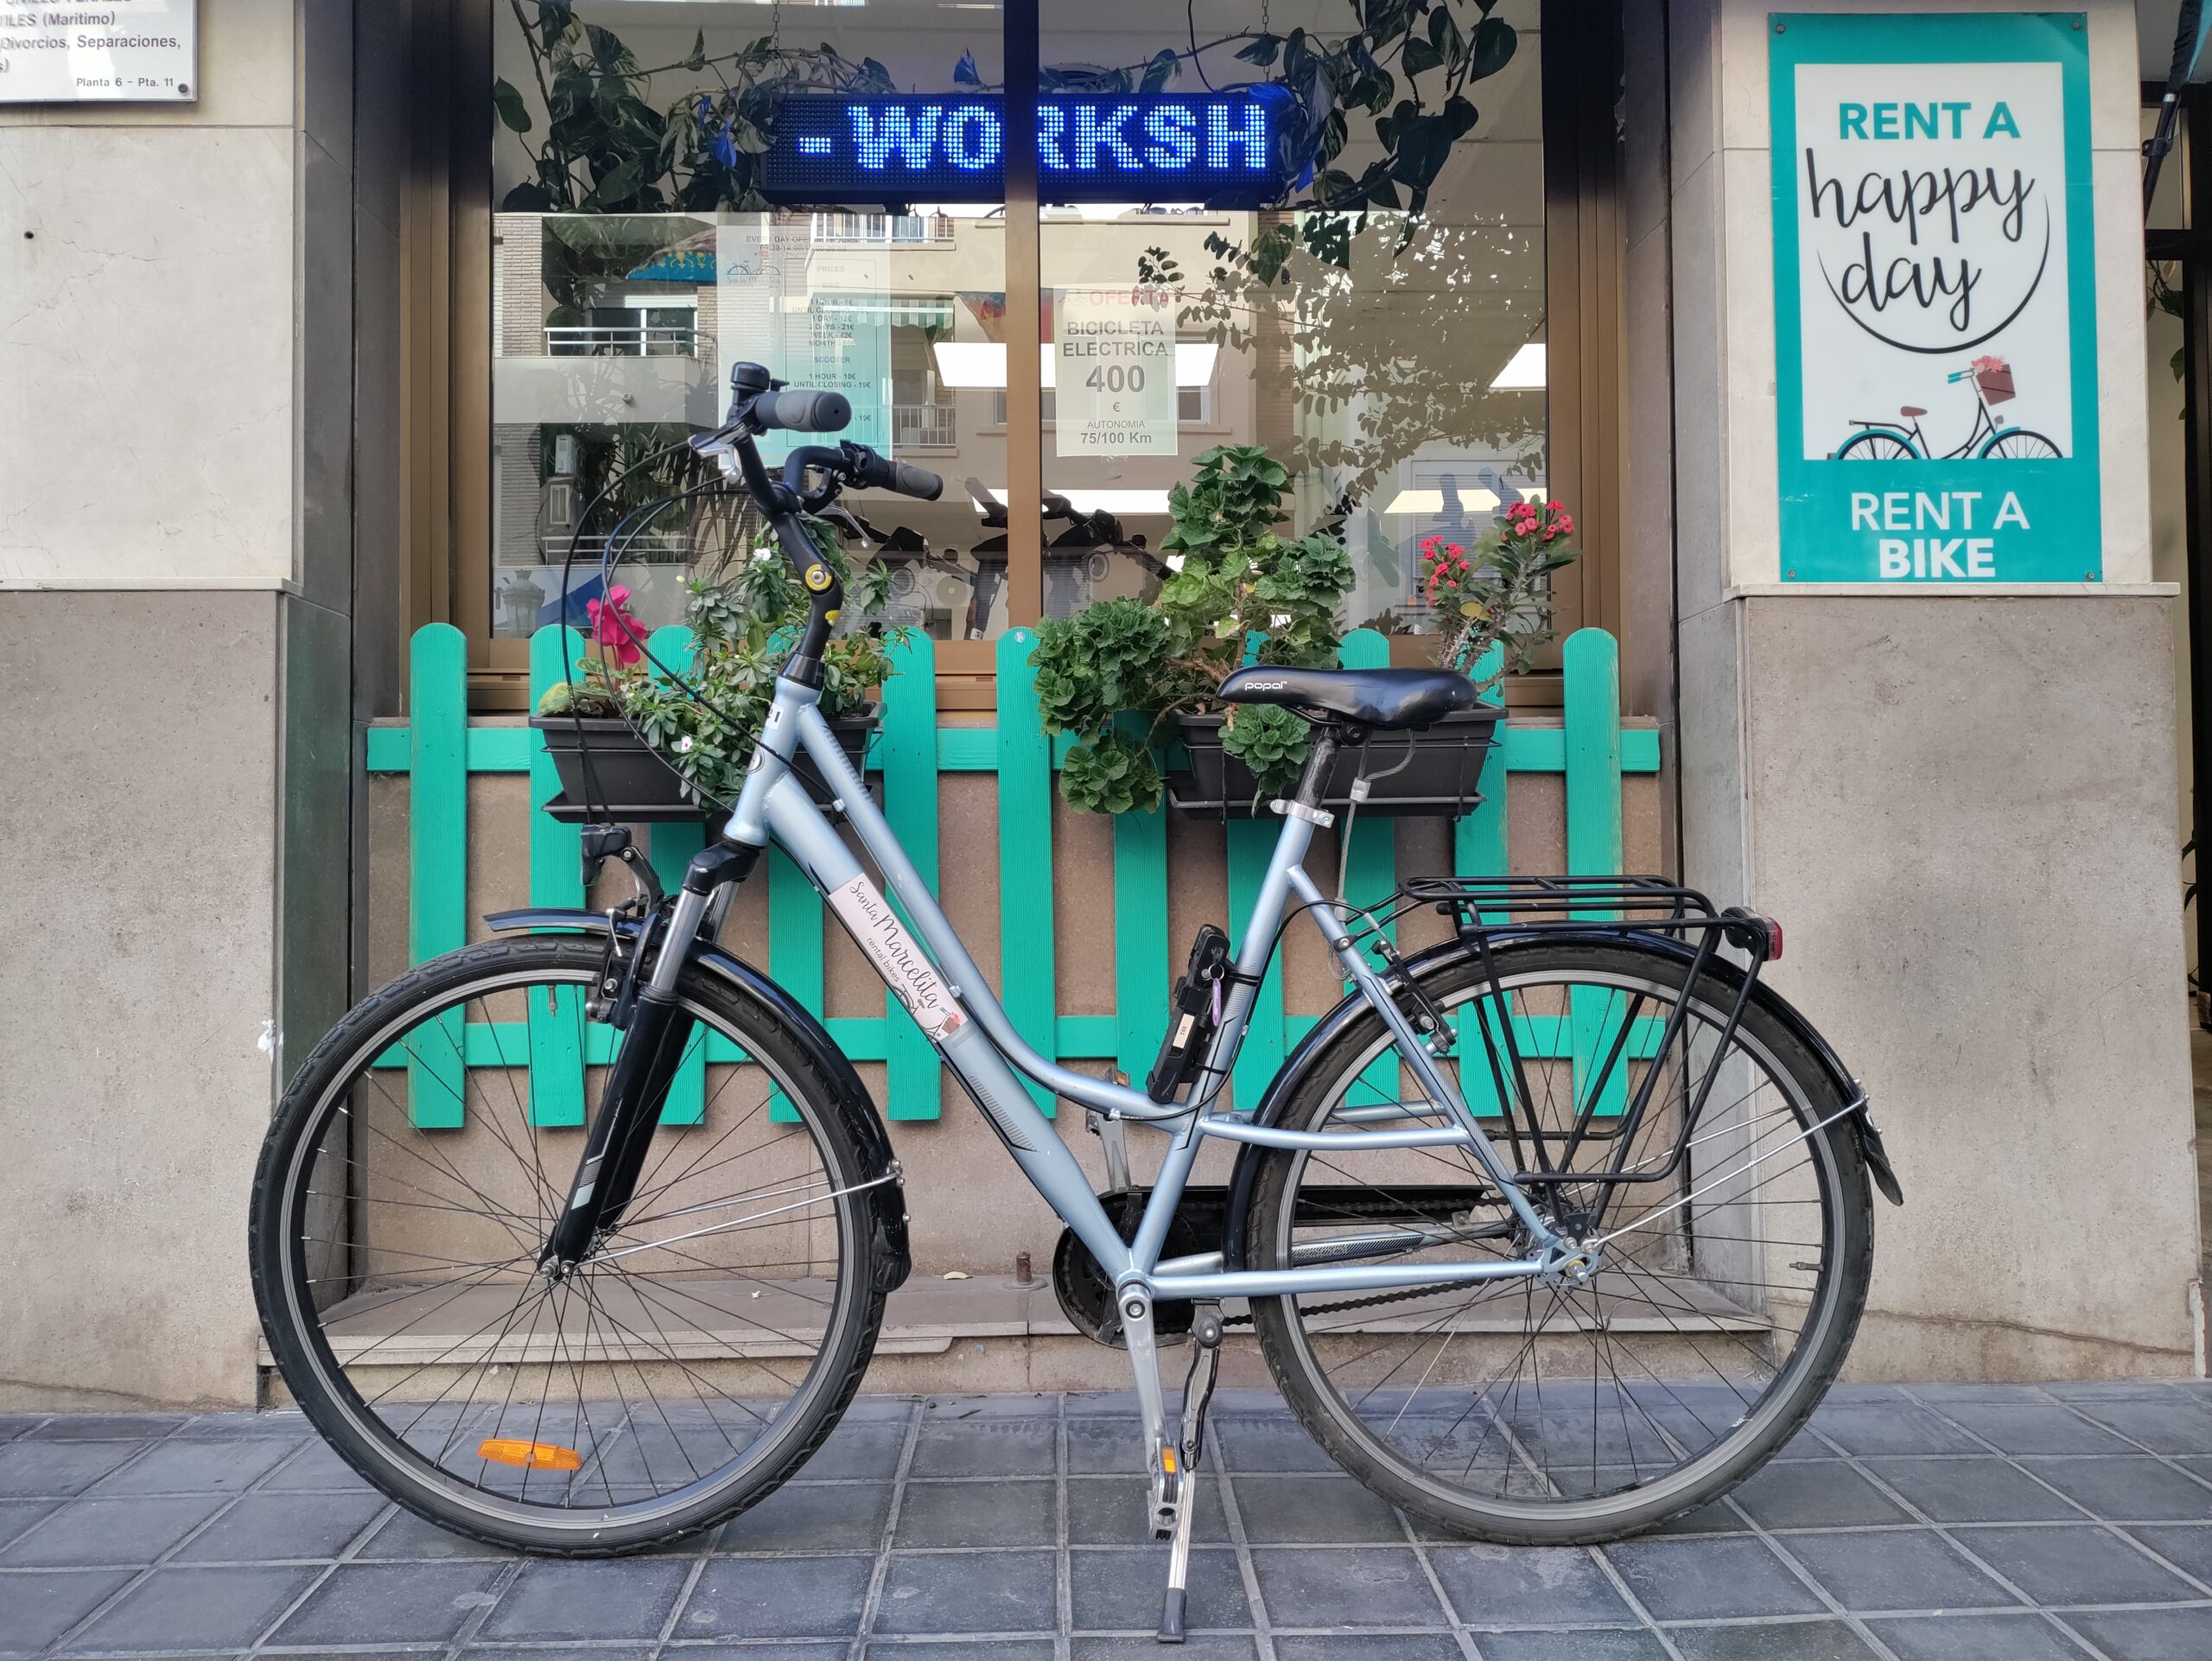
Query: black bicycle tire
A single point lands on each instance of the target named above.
(334, 1059)
(1307, 1397)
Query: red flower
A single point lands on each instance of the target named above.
(613, 628)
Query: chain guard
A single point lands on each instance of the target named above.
(1087, 1296)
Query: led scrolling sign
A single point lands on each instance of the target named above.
(1223, 148)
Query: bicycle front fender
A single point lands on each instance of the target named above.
(887, 1204)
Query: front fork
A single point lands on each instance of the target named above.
(656, 1032)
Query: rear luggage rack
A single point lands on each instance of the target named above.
(1559, 905)
(1488, 911)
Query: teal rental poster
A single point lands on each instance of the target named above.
(1934, 299)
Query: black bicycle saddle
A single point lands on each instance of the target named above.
(1384, 698)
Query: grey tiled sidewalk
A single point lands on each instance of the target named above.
(1921, 1523)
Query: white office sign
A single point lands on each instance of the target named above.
(107, 52)
(1114, 371)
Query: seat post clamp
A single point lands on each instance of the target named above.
(1320, 816)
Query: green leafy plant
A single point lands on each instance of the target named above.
(744, 620)
(1113, 773)
(1500, 590)
(1113, 672)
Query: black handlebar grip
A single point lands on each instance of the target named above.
(874, 472)
(916, 481)
(803, 412)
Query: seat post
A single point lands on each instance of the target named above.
(1328, 737)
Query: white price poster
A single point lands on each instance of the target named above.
(1114, 371)
(108, 51)
(819, 319)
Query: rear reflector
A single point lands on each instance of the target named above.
(532, 1456)
(1773, 939)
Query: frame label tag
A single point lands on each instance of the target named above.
(868, 918)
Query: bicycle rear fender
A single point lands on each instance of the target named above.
(887, 1205)
(1300, 1061)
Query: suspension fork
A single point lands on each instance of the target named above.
(656, 1033)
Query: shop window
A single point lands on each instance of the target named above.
(1418, 367)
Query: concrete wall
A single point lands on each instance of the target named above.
(1961, 805)
(179, 478)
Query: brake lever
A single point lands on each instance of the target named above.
(721, 445)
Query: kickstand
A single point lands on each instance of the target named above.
(1198, 1393)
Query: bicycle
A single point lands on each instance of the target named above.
(1888, 441)
(1547, 1233)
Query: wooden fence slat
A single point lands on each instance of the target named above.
(796, 919)
(1479, 840)
(1141, 965)
(1478, 849)
(557, 1066)
(908, 746)
(1251, 843)
(437, 856)
(974, 750)
(1027, 986)
(1372, 870)
(671, 846)
(1590, 667)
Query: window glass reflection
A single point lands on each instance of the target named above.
(1394, 358)
(634, 262)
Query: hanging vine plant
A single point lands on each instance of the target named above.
(606, 149)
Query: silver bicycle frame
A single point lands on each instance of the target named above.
(984, 1049)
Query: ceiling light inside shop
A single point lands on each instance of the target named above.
(973, 364)
(1473, 499)
(1523, 371)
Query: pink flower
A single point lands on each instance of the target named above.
(614, 630)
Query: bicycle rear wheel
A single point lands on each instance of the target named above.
(1725, 1298)
(686, 1367)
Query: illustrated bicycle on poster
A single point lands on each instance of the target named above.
(1902, 441)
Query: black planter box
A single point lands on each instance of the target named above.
(636, 786)
(1439, 779)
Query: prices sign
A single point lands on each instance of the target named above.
(1114, 371)
(107, 51)
(1935, 306)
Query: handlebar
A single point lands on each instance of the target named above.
(873, 472)
(802, 412)
(760, 405)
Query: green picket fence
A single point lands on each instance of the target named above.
(441, 747)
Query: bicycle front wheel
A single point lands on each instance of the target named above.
(679, 1373)
(1727, 1290)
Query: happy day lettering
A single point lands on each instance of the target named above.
(1941, 200)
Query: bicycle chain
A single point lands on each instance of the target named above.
(1245, 1320)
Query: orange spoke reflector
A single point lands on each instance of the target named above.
(543, 1455)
